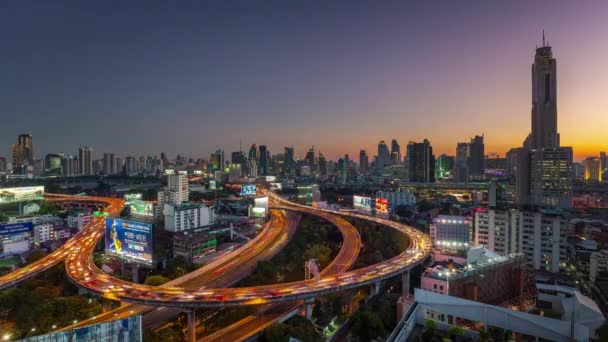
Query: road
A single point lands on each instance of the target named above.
(222, 272)
(113, 206)
(86, 274)
(271, 314)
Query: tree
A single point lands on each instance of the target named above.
(484, 335)
(277, 332)
(367, 325)
(455, 331)
(156, 280)
(429, 331)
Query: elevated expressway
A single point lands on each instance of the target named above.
(92, 231)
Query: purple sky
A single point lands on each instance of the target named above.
(145, 78)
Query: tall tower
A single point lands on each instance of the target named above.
(85, 158)
(544, 99)
(384, 156)
(23, 153)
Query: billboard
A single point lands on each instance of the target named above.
(276, 186)
(29, 193)
(130, 240)
(16, 228)
(138, 206)
(247, 189)
(258, 212)
(360, 202)
(381, 205)
(271, 178)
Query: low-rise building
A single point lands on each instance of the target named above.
(187, 217)
(451, 232)
(598, 264)
(402, 196)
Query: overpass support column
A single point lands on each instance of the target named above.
(405, 283)
(376, 288)
(191, 337)
(308, 305)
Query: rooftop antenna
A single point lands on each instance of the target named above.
(544, 38)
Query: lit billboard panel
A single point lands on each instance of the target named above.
(29, 193)
(248, 189)
(16, 228)
(276, 186)
(381, 205)
(360, 202)
(258, 212)
(129, 240)
(138, 206)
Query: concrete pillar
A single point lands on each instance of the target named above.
(191, 336)
(135, 272)
(376, 288)
(308, 305)
(405, 283)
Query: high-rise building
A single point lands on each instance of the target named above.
(384, 156)
(461, 164)
(289, 164)
(544, 99)
(541, 235)
(421, 162)
(310, 159)
(3, 164)
(593, 172)
(131, 166)
(363, 162)
(444, 166)
(23, 153)
(68, 166)
(216, 161)
(109, 164)
(545, 169)
(476, 157)
(395, 152)
(603, 165)
(85, 157)
(322, 164)
(177, 185)
(254, 153)
(264, 160)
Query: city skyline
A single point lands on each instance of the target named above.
(380, 92)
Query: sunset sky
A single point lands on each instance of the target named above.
(341, 75)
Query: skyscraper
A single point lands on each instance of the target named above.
(363, 162)
(23, 153)
(395, 152)
(109, 164)
(310, 159)
(544, 99)
(264, 159)
(421, 162)
(384, 156)
(216, 161)
(592, 166)
(254, 153)
(603, 161)
(461, 163)
(85, 158)
(322, 164)
(547, 177)
(289, 165)
(476, 157)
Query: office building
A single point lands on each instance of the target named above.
(52, 164)
(289, 164)
(264, 160)
(254, 153)
(395, 152)
(310, 159)
(421, 162)
(551, 177)
(216, 161)
(592, 169)
(177, 185)
(476, 158)
(384, 156)
(322, 164)
(234, 173)
(461, 164)
(598, 265)
(541, 235)
(363, 163)
(131, 166)
(85, 158)
(23, 153)
(109, 164)
(603, 165)
(444, 166)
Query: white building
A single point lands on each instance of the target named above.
(598, 263)
(397, 198)
(43, 233)
(187, 216)
(15, 245)
(541, 235)
(451, 231)
(178, 188)
(78, 220)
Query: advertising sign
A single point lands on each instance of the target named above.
(138, 206)
(129, 240)
(13, 195)
(271, 178)
(16, 228)
(276, 186)
(132, 197)
(248, 189)
(381, 205)
(258, 212)
(360, 202)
